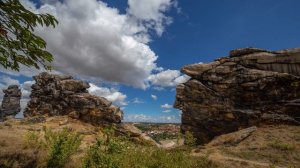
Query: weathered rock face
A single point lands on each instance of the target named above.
(62, 95)
(250, 87)
(11, 101)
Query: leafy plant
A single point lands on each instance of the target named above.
(189, 139)
(105, 152)
(18, 43)
(61, 146)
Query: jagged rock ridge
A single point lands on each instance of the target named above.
(11, 101)
(62, 95)
(249, 87)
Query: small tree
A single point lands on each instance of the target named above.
(18, 43)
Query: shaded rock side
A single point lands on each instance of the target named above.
(250, 87)
(233, 138)
(11, 101)
(135, 134)
(56, 95)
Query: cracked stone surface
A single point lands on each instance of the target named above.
(249, 87)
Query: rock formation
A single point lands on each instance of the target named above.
(11, 101)
(249, 87)
(62, 95)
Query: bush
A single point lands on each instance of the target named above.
(106, 153)
(61, 146)
(189, 139)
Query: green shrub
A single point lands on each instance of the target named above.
(189, 139)
(106, 153)
(61, 145)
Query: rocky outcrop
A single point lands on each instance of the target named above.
(135, 134)
(249, 87)
(232, 138)
(62, 95)
(11, 101)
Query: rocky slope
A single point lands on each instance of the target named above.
(249, 87)
(11, 101)
(56, 95)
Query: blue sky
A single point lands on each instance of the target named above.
(183, 32)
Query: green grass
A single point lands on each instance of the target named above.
(122, 154)
(110, 152)
(119, 152)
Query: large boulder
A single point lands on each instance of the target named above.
(62, 95)
(250, 87)
(11, 101)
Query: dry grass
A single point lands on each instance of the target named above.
(269, 146)
(275, 145)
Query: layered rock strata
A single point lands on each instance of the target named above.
(62, 95)
(249, 87)
(11, 101)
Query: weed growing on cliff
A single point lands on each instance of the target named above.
(61, 145)
(189, 139)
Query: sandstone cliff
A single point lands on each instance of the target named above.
(56, 95)
(249, 87)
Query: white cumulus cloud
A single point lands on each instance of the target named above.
(93, 40)
(168, 78)
(110, 94)
(151, 13)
